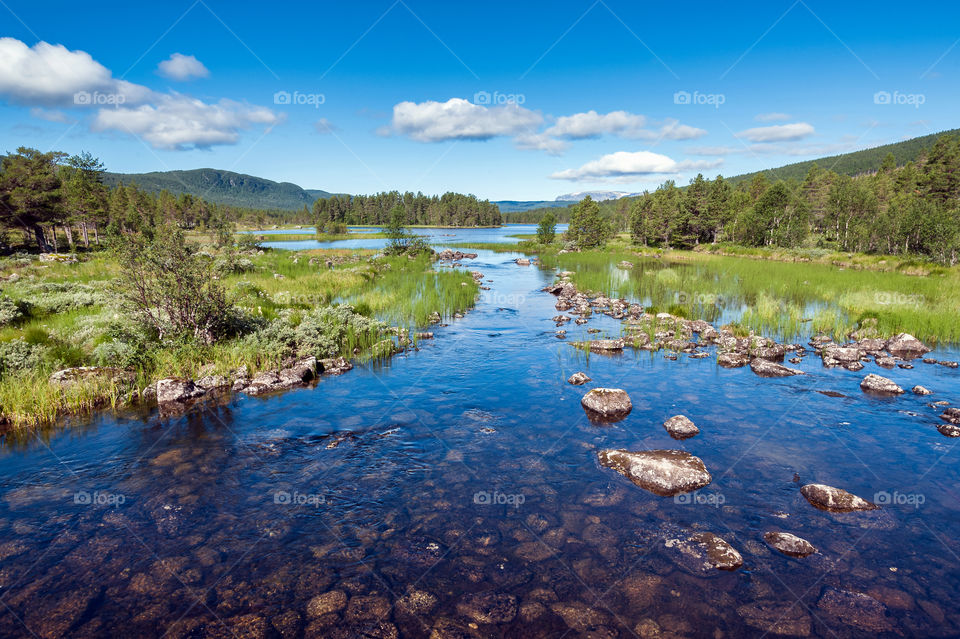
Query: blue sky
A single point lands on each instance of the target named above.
(495, 99)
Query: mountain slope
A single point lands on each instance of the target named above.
(853, 163)
(223, 187)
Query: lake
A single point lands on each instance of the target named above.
(455, 490)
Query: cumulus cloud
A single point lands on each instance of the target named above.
(778, 132)
(771, 117)
(624, 166)
(673, 130)
(179, 122)
(182, 67)
(458, 119)
(591, 124)
(541, 142)
(48, 75)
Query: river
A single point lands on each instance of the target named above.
(455, 490)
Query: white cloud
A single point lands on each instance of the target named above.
(50, 115)
(591, 124)
(541, 142)
(771, 117)
(458, 119)
(714, 150)
(182, 67)
(624, 166)
(778, 132)
(179, 122)
(673, 130)
(48, 74)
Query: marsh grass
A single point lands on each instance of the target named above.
(782, 299)
(281, 286)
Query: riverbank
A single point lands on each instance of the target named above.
(61, 315)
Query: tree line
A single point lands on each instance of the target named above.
(910, 209)
(51, 195)
(449, 209)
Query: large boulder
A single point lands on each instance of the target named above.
(662, 472)
(680, 427)
(834, 499)
(880, 385)
(951, 415)
(771, 353)
(765, 368)
(607, 345)
(790, 545)
(907, 346)
(607, 404)
(175, 389)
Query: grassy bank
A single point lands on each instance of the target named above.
(55, 316)
(789, 299)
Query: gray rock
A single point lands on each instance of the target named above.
(578, 379)
(662, 472)
(834, 499)
(772, 353)
(949, 430)
(705, 552)
(211, 382)
(608, 404)
(765, 368)
(789, 544)
(336, 366)
(921, 390)
(951, 415)
(680, 427)
(176, 389)
(906, 345)
(607, 345)
(71, 376)
(880, 385)
(733, 359)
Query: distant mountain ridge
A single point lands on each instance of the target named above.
(223, 187)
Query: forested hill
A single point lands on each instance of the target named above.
(853, 163)
(222, 187)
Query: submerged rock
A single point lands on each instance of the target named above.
(608, 404)
(834, 499)
(705, 551)
(765, 368)
(777, 618)
(680, 427)
(662, 472)
(881, 385)
(578, 379)
(789, 544)
(488, 607)
(854, 609)
(949, 430)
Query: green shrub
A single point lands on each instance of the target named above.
(17, 355)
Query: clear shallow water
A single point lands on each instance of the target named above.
(229, 520)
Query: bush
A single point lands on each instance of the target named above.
(11, 310)
(547, 228)
(18, 355)
(49, 298)
(116, 353)
(323, 332)
(171, 291)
